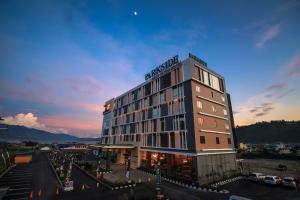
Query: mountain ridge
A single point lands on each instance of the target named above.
(16, 133)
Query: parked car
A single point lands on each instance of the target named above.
(235, 197)
(289, 182)
(272, 180)
(256, 177)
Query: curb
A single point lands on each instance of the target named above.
(191, 187)
(94, 178)
(106, 185)
(54, 171)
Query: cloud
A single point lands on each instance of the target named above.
(30, 121)
(264, 104)
(269, 34)
(276, 87)
(293, 67)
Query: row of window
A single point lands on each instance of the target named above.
(202, 140)
(200, 121)
(166, 109)
(213, 108)
(149, 88)
(171, 123)
(209, 79)
(198, 90)
(165, 140)
(155, 99)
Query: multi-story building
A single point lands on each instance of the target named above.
(179, 116)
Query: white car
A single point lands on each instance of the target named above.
(272, 180)
(256, 177)
(289, 182)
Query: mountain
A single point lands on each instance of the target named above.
(21, 133)
(269, 132)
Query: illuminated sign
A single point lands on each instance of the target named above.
(107, 107)
(163, 67)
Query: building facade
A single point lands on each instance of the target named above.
(180, 116)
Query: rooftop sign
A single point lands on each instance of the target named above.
(163, 67)
(197, 59)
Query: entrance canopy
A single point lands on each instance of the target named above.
(112, 146)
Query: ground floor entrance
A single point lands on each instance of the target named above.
(172, 165)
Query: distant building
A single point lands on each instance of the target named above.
(180, 116)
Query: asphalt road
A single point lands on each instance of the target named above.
(43, 178)
(33, 177)
(260, 191)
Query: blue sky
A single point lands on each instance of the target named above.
(61, 60)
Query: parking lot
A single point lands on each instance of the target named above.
(260, 191)
(34, 180)
(18, 181)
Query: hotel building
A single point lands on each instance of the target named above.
(180, 116)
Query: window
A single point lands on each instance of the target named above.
(225, 112)
(164, 110)
(165, 81)
(162, 97)
(223, 99)
(199, 104)
(148, 89)
(155, 112)
(172, 140)
(217, 140)
(229, 140)
(213, 108)
(202, 139)
(205, 78)
(200, 121)
(215, 123)
(212, 94)
(164, 139)
(197, 88)
(175, 92)
(227, 126)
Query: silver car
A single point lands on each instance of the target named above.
(289, 182)
(257, 177)
(272, 180)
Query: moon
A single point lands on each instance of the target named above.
(135, 13)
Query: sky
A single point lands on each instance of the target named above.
(61, 60)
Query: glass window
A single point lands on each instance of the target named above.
(200, 121)
(215, 123)
(215, 82)
(162, 97)
(212, 94)
(217, 140)
(229, 140)
(197, 88)
(202, 139)
(213, 108)
(227, 126)
(205, 78)
(223, 99)
(199, 104)
(175, 92)
(225, 112)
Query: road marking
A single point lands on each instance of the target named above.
(14, 194)
(13, 182)
(16, 179)
(19, 189)
(20, 184)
